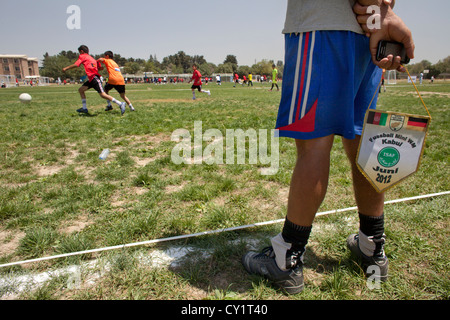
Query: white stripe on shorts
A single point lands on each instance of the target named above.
(100, 84)
(295, 92)
(297, 68)
(308, 82)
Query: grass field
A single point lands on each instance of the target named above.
(57, 197)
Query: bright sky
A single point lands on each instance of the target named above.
(248, 29)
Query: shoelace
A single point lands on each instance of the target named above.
(293, 258)
(265, 253)
(379, 245)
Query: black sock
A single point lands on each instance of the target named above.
(296, 235)
(371, 226)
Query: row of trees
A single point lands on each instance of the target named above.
(442, 67)
(174, 64)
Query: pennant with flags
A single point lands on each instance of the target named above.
(391, 147)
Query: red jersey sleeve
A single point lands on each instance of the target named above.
(79, 62)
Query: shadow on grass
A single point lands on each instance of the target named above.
(218, 268)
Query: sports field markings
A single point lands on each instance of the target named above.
(258, 224)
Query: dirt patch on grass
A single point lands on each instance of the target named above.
(427, 93)
(45, 171)
(131, 142)
(151, 101)
(76, 226)
(9, 241)
(175, 188)
(142, 162)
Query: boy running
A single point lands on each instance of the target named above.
(115, 78)
(236, 79)
(197, 77)
(91, 68)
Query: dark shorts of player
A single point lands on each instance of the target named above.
(119, 88)
(323, 93)
(199, 88)
(95, 83)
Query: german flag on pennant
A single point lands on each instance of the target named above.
(417, 124)
(377, 118)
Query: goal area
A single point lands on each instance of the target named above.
(391, 77)
(7, 81)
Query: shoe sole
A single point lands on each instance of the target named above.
(290, 290)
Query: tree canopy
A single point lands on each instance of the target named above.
(442, 66)
(177, 63)
(181, 62)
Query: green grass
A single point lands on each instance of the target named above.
(58, 197)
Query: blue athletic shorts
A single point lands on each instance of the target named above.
(329, 80)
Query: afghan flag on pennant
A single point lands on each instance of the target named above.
(377, 118)
(417, 124)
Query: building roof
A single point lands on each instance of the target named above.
(23, 56)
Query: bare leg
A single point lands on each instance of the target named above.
(310, 179)
(368, 200)
(106, 96)
(82, 91)
(124, 97)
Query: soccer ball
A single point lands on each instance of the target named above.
(25, 98)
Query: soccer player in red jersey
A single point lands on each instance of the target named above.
(236, 79)
(197, 77)
(91, 68)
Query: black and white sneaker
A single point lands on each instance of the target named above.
(264, 264)
(108, 108)
(375, 266)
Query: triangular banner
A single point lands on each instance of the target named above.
(391, 147)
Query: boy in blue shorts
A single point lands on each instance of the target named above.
(330, 78)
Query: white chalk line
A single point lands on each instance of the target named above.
(258, 224)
